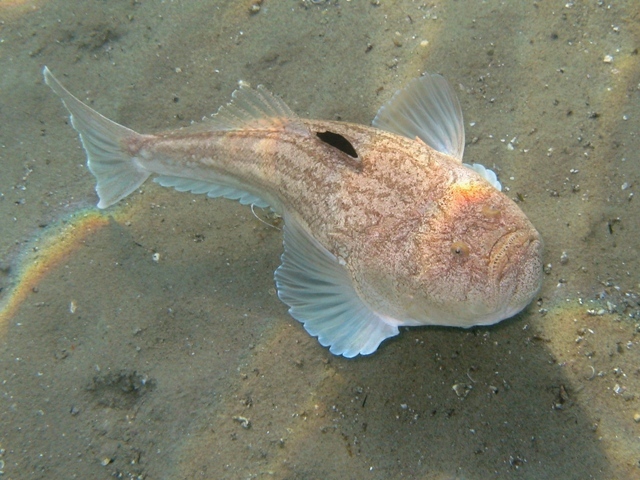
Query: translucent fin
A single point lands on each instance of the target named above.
(254, 109)
(320, 294)
(488, 175)
(212, 190)
(428, 109)
(117, 173)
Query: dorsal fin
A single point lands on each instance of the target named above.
(253, 109)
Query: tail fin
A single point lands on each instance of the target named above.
(117, 173)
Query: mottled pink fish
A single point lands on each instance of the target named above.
(384, 225)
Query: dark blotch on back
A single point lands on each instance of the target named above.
(338, 141)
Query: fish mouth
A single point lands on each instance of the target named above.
(513, 249)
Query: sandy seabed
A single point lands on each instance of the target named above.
(118, 364)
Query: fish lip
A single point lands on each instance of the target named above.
(516, 240)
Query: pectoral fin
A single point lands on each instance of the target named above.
(427, 108)
(489, 175)
(320, 294)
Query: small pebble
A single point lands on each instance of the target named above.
(461, 390)
(607, 59)
(636, 417)
(397, 39)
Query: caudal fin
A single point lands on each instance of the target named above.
(117, 173)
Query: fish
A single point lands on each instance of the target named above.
(384, 225)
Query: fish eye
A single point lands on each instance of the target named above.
(491, 211)
(460, 249)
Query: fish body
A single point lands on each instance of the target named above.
(384, 225)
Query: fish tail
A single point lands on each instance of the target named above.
(117, 172)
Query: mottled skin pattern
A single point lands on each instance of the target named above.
(426, 239)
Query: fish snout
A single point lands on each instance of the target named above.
(515, 268)
(510, 248)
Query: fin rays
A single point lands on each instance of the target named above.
(429, 110)
(256, 109)
(320, 294)
(116, 172)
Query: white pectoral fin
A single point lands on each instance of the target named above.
(117, 173)
(320, 294)
(428, 109)
(489, 175)
(212, 189)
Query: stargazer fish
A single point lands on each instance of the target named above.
(384, 226)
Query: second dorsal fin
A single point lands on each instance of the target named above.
(253, 109)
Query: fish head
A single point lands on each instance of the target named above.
(477, 259)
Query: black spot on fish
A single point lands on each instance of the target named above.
(338, 141)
